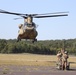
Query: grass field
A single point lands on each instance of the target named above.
(32, 59)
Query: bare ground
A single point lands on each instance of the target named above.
(34, 70)
(29, 64)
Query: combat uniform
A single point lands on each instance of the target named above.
(64, 60)
(59, 56)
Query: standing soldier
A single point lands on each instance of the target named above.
(64, 60)
(59, 62)
(59, 55)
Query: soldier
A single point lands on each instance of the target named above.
(64, 60)
(59, 62)
(59, 56)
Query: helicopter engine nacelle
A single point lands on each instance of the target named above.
(20, 32)
(21, 29)
(20, 26)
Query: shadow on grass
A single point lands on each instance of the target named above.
(73, 62)
(72, 70)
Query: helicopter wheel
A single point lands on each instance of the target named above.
(35, 40)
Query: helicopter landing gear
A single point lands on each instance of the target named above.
(18, 39)
(35, 40)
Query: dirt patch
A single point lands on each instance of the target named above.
(33, 70)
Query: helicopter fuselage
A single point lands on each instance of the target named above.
(28, 33)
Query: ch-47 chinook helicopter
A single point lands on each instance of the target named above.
(28, 29)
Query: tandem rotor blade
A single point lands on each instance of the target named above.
(51, 13)
(6, 12)
(19, 14)
(59, 15)
(45, 15)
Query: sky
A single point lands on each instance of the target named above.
(48, 28)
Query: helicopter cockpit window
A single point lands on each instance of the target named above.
(28, 22)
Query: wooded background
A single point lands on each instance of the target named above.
(40, 47)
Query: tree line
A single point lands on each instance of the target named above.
(40, 47)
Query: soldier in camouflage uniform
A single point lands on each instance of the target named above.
(64, 60)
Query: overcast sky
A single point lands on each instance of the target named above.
(48, 28)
